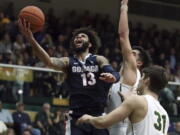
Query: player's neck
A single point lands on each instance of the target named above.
(82, 56)
(148, 92)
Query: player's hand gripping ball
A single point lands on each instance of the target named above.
(34, 16)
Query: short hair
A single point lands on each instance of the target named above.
(93, 38)
(46, 104)
(157, 76)
(144, 56)
(19, 104)
(27, 130)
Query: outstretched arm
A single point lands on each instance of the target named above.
(58, 64)
(129, 61)
(119, 114)
(109, 74)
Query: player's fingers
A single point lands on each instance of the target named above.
(28, 25)
(108, 76)
(102, 78)
(103, 74)
(24, 22)
(20, 23)
(79, 121)
(23, 25)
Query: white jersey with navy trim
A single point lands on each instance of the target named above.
(115, 101)
(156, 121)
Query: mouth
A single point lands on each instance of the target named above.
(78, 43)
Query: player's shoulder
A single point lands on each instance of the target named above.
(100, 58)
(66, 58)
(136, 100)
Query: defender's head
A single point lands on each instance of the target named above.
(83, 39)
(154, 79)
(143, 59)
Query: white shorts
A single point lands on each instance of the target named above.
(113, 102)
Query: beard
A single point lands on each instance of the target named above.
(81, 49)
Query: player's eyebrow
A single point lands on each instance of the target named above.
(83, 35)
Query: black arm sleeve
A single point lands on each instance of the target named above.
(109, 69)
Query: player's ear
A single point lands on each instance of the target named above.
(90, 45)
(147, 81)
(139, 63)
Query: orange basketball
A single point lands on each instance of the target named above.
(35, 16)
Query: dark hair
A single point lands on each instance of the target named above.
(144, 56)
(93, 38)
(157, 76)
(27, 130)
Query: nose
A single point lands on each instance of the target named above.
(78, 37)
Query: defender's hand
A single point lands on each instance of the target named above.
(25, 28)
(84, 119)
(107, 77)
(124, 2)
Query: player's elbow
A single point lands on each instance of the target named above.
(50, 64)
(123, 36)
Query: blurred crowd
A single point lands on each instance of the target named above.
(45, 122)
(162, 45)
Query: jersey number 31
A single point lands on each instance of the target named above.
(88, 79)
(161, 122)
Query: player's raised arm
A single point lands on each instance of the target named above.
(109, 74)
(119, 114)
(55, 63)
(124, 34)
(129, 61)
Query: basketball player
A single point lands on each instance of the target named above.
(144, 111)
(133, 61)
(88, 76)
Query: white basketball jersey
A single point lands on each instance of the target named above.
(115, 100)
(156, 121)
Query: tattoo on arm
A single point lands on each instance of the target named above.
(60, 63)
(102, 61)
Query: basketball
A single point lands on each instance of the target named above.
(34, 16)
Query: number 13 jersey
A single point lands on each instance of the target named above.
(87, 91)
(156, 121)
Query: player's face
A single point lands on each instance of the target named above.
(136, 54)
(80, 39)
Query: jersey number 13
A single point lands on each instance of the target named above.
(88, 79)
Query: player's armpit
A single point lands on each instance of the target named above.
(60, 63)
(119, 114)
(129, 59)
(102, 61)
